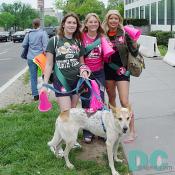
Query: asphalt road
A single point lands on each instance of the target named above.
(10, 61)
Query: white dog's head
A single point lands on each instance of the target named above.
(122, 117)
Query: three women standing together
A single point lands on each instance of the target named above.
(73, 53)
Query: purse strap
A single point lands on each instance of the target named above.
(57, 71)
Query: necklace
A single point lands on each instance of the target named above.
(91, 37)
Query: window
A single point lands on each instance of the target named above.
(161, 12)
(153, 13)
(147, 12)
(127, 14)
(137, 12)
(133, 13)
(130, 16)
(141, 12)
(170, 14)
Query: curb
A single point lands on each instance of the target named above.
(12, 80)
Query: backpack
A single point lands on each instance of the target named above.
(135, 64)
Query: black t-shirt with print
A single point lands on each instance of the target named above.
(66, 55)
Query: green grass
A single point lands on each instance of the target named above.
(24, 133)
(163, 49)
(26, 77)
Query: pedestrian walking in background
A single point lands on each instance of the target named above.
(37, 39)
(116, 73)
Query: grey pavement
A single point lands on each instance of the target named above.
(153, 99)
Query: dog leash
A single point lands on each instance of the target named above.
(102, 123)
(79, 84)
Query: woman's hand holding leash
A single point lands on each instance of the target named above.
(85, 72)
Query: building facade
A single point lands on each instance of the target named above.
(160, 13)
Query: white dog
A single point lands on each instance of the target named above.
(102, 123)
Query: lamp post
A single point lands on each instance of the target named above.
(41, 10)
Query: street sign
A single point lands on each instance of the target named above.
(40, 4)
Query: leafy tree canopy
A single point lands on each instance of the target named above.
(50, 21)
(6, 20)
(23, 14)
(116, 5)
(82, 7)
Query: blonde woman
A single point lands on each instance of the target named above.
(92, 32)
(116, 73)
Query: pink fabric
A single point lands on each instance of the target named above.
(95, 58)
(95, 103)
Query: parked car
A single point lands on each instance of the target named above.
(4, 36)
(50, 31)
(18, 36)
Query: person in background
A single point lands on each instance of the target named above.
(118, 76)
(92, 31)
(66, 52)
(37, 40)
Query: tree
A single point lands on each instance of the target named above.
(6, 20)
(23, 13)
(116, 5)
(50, 21)
(82, 7)
(112, 4)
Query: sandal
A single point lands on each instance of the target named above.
(130, 139)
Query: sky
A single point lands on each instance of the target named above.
(33, 3)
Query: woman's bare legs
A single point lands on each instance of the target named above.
(111, 91)
(123, 91)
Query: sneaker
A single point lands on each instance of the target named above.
(36, 98)
(88, 136)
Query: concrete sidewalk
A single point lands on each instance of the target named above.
(153, 100)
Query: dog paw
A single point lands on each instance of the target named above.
(70, 166)
(115, 173)
(59, 153)
(118, 160)
(52, 148)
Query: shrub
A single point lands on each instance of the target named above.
(136, 22)
(162, 37)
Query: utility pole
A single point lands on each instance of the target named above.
(41, 11)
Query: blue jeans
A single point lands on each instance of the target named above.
(33, 69)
